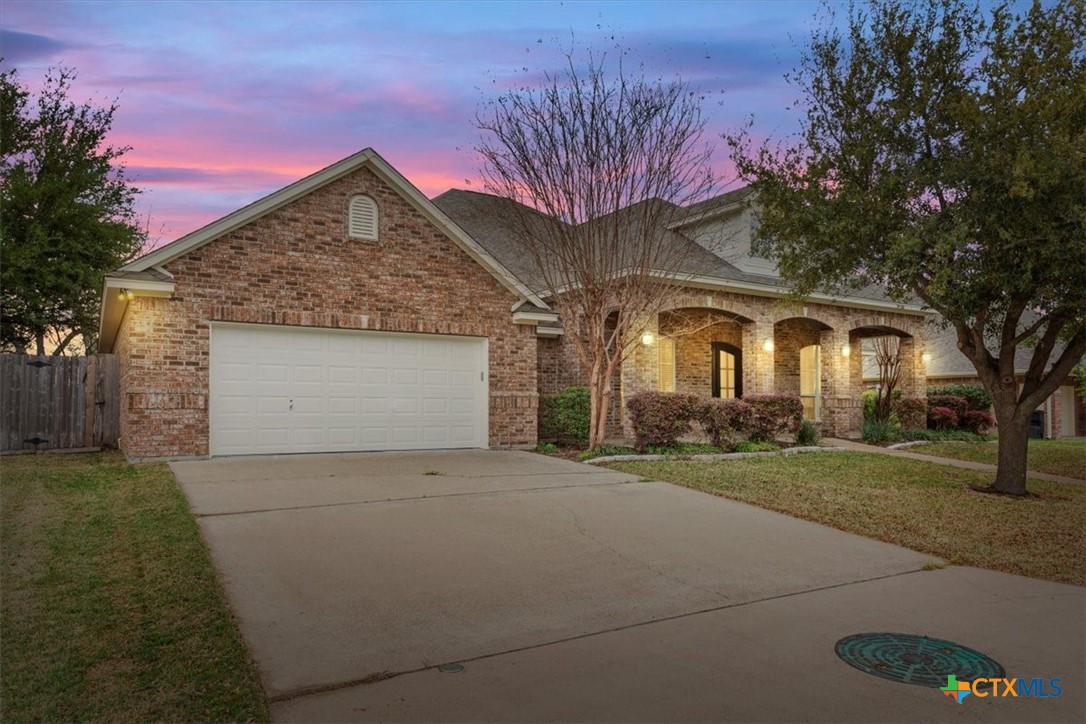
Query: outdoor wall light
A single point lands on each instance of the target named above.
(767, 345)
(647, 338)
(126, 295)
(846, 351)
(926, 357)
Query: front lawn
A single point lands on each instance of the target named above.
(1056, 457)
(111, 607)
(912, 503)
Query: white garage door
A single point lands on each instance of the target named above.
(294, 390)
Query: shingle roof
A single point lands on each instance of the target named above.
(949, 361)
(492, 222)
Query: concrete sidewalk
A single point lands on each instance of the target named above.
(965, 464)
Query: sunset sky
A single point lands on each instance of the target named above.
(224, 102)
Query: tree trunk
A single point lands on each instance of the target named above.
(1013, 449)
(39, 343)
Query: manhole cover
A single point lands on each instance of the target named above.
(915, 659)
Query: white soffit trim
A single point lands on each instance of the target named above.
(549, 331)
(114, 308)
(534, 317)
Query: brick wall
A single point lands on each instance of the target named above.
(297, 266)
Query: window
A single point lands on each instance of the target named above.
(810, 381)
(667, 364)
(727, 371)
(362, 218)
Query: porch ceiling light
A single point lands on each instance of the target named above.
(648, 338)
(767, 345)
(126, 295)
(846, 351)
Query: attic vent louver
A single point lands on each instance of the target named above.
(362, 218)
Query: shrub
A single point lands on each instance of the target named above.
(572, 411)
(723, 420)
(959, 405)
(911, 412)
(976, 397)
(870, 397)
(773, 415)
(876, 431)
(807, 433)
(749, 446)
(661, 418)
(547, 448)
(976, 421)
(942, 418)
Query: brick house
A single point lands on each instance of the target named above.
(348, 312)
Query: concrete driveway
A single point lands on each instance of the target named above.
(575, 593)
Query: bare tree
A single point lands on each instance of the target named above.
(611, 160)
(888, 359)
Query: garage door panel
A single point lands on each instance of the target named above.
(350, 390)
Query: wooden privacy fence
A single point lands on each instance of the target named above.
(58, 402)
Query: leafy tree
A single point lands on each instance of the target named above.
(608, 158)
(67, 216)
(943, 156)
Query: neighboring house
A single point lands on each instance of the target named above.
(1061, 415)
(348, 312)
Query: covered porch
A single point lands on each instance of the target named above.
(730, 350)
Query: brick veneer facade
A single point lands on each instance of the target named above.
(297, 266)
(832, 326)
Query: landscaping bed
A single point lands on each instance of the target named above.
(923, 506)
(112, 609)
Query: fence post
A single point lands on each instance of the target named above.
(90, 400)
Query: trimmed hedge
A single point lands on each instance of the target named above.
(958, 404)
(565, 417)
(659, 419)
(723, 420)
(773, 415)
(942, 418)
(976, 421)
(976, 396)
(912, 412)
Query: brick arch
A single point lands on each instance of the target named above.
(821, 326)
(709, 300)
(890, 325)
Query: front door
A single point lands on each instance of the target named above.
(727, 371)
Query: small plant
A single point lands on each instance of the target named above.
(877, 431)
(807, 434)
(942, 418)
(547, 448)
(754, 446)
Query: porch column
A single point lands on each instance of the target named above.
(842, 383)
(913, 379)
(757, 362)
(640, 371)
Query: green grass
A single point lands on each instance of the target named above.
(920, 505)
(1056, 457)
(111, 607)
